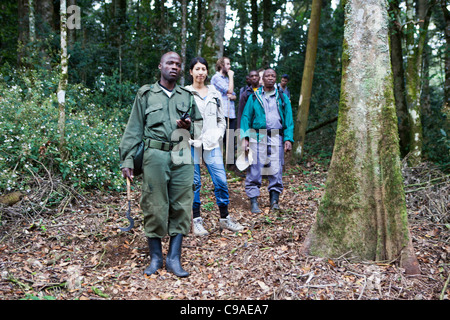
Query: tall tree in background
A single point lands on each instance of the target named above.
(446, 55)
(243, 22)
(254, 35)
(23, 30)
(214, 30)
(396, 38)
(363, 212)
(61, 94)
(201, 12)
(44, 19)
(307, 80)
(415, 44)
(183, 38)
(267, 32)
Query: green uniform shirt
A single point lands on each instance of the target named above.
(154, 116)
(167, 195)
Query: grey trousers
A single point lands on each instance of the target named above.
(268, 160)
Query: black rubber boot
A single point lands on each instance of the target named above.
(154, 245)
(274, 196)
(173, 263)
(254, 204)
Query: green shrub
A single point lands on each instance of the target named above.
(29, 135)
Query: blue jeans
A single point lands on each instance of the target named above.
(214, 163)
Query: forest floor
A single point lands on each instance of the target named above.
(76, 251)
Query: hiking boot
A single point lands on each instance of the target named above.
(274, 196)
(254, 204)
(198, 228)
(230, 224)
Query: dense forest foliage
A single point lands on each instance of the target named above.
(116, 46)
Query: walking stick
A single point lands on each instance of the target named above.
(129, 208)
(227, 134)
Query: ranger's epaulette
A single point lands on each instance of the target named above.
(190, 92)
(142, 90)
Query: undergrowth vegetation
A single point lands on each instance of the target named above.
(29, 134)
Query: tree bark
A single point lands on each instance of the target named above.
(23, 30)
(363, 212)
(201, 26)
(215, 31)
(61, 94)
(307, 80)
(254, 35)
(413, 75)
(44, 14)
(32, 20)
(243, 21)
(267, 25)
(447, 55)
(183, 39)
(395, 32)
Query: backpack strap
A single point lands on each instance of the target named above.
(217, 101)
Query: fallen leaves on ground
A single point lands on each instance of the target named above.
(78, 252)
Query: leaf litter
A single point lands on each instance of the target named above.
(76, 251)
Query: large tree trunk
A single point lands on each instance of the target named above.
(307, 80)
(363, 212)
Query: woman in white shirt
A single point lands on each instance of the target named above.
(207, 147)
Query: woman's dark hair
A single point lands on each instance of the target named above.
(197, 60)
(194, 62)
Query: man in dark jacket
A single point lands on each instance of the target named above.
(253, 77)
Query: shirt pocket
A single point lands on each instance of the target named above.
(211, 109)
(154, 115)
(182, 108)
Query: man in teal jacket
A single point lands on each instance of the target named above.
(267, 129)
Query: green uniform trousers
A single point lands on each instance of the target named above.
(167, 194)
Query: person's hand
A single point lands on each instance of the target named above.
(184, 124)
(245, 145)
(287, 146)
(230, 73)
(231, 96)
(127, 173)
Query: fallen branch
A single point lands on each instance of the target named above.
(320, 125)
(444, 288)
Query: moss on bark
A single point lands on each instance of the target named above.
(363, 211)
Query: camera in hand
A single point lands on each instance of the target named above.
(185, 116)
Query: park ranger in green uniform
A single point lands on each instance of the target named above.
(168, 171)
